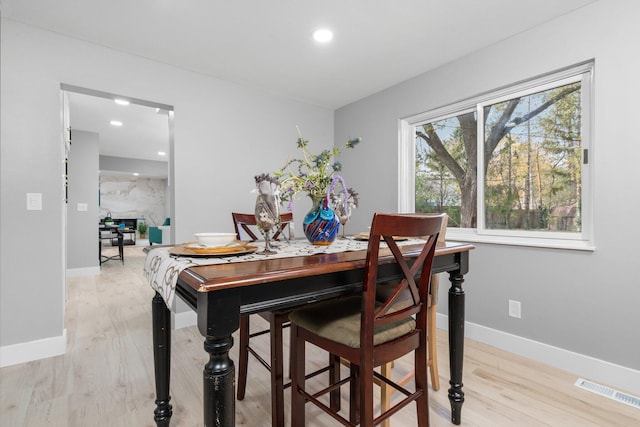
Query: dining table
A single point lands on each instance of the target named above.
(221, 287)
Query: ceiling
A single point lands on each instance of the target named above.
(268, 45)
(144, 131)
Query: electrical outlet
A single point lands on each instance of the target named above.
(34, 201)
(515, 309)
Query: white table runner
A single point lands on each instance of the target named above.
(162, 269)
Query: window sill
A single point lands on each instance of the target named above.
(471, 236)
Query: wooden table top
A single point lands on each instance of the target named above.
(221, 276)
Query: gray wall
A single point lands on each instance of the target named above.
(152, 168)
(82, 236)
(584, 302)
(224, 134)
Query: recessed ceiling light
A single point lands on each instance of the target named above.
(322, 35)
(161, 153)
(136, 174)
(115, 123)
(121, 101)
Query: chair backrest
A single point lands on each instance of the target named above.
(435, 279)
(378, 313)
(247, 223)
(286, 225)
(243, 221)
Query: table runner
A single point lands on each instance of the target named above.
(162, 269)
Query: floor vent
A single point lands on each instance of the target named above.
(608, 392)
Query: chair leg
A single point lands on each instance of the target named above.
(355, 403)
(290, 353)
(423, 409)
(433, 349)
(297, 378)
(243, 356)
(334, 377)
(276, 363)
(422, 382)
(121, 246)
(277, 370)
(385, 392)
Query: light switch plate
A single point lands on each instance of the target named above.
(82, 207)
(34, 201)
(515, 309)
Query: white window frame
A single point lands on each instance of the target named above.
(548, 239)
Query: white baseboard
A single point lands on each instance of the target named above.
(184, 319)
(86, 271)
(621, 377)
(33, 350)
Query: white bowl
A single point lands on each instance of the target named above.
(215, 239)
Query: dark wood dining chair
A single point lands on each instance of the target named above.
(278, 320)
(432, 360)
(368, 333)
(246, 223)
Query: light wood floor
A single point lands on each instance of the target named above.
(106, 376)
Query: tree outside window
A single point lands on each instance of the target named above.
(529, 171)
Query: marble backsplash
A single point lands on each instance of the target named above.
(133, 197)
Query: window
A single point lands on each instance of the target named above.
(509, 166)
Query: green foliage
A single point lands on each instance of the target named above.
(142, 228)
(532, 158)
(313, 174)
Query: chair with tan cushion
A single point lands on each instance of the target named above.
(367, 332)
(277, 319)
(432, 361)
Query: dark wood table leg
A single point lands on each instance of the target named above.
(218, 318)
(161, 316)
(219, 383)
(456, 344)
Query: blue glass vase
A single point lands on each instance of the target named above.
(321, 224)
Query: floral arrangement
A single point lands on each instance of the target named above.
(315, 175)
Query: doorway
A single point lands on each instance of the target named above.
(131, 145)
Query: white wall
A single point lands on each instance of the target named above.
(82, 236)
(573, 301)
(224, 135)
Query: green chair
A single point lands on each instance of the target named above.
(155, 233)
